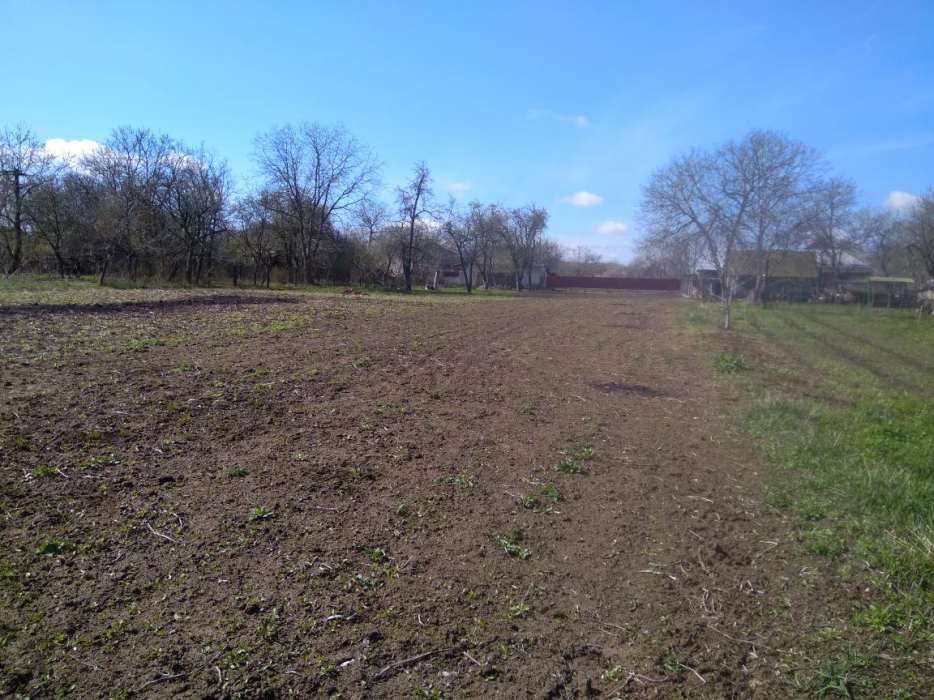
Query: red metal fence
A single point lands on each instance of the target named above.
(644, 283)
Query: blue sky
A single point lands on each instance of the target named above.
(512, 102)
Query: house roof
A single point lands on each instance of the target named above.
(891, 280)
(847, 262)
(781, 263)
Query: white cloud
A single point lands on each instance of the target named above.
(900, 201)
(583, 199)
(458, 189)
(72, 150)
(578, 120)
(612, 228)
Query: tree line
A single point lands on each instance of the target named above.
(145, 205)
(766, 194)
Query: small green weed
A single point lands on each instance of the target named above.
(881, 618)
(671, 665)
(326, 667)
(235, 658)
(574, 458)
(729, 363)
(839, 677)
(269, 627)
(463, 480)
(143, 344)
(43, 471)
(824, 541)
(54, 547)
(426, 691)
(511, 543)
(550, 491)
(518, 610)
(260, 513)
(614, 674)
(376, 555)
(99, 461)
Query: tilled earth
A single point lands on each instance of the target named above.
(260, 495)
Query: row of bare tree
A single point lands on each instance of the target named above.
(146, 205)
(766, 194)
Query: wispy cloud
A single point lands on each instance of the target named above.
(900, 201)
(459, 189)
(883, 147)
(578, 120)
(70, 150)
(583, 199)
(612, 228)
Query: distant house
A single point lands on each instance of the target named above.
(791, 275)
(848, 268)
(451, 274)
(883, 291)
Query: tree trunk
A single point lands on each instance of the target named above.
(727, 308)
(189, 263)
(104, 267)
(407, 274)
(60, 261)
(16, 256)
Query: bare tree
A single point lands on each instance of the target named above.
(321, 172)
(705, 197)
(667, 255)
(256, 234)
(462, 231)
(522, 236)
(24, 166)
(584, 261)
(196, 202)
(552, 254)
(919, 232)
(414, 201)
(371, 217)
(60, 209)
(880, 234)
(132, 173)
(783, 174)
(491, 225)
(830, 221)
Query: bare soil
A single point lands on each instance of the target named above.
(251, 496)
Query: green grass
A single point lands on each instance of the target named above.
(842, 404)
(22, 289)
(729, 363)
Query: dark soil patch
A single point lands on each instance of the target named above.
(625, 388)
(211, 517)
(156, 305)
